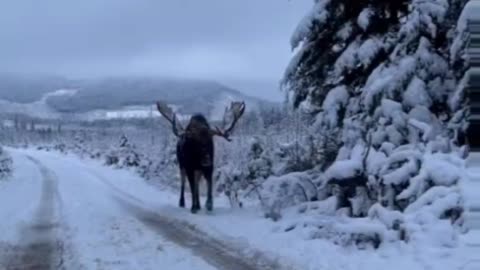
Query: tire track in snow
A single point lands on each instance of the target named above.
(40, 247)
(212, 250)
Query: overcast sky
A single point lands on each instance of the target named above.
(226, 40)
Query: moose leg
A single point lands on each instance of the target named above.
(181, 203)
(198, 177)
(208, 172)
(191, 181)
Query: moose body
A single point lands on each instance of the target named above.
(195, 151)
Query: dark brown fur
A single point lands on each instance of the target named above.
(195, 153)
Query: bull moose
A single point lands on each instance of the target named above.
(195, 149)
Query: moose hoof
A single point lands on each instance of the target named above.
(181, 204)
(209, 206)
(194, 210)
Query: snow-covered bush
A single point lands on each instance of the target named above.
(295, 156)
(161, 166)
(124, 155)
(246, 174)
(280, 192)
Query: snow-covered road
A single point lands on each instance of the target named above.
(59, 213)
(40, 246)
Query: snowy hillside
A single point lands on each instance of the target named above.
(37, 109)
(117, 93)
(127, 98)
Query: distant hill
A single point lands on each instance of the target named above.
(27, 89)
(53, 97)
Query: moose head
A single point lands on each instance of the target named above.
(195, 148)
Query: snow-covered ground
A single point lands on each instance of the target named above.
(93, 217)
(80, 228)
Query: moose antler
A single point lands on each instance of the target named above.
(171, 117)
(235, 111)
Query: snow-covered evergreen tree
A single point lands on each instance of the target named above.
(123, 155)
(383, 80)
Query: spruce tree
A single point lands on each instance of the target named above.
(384, 79)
